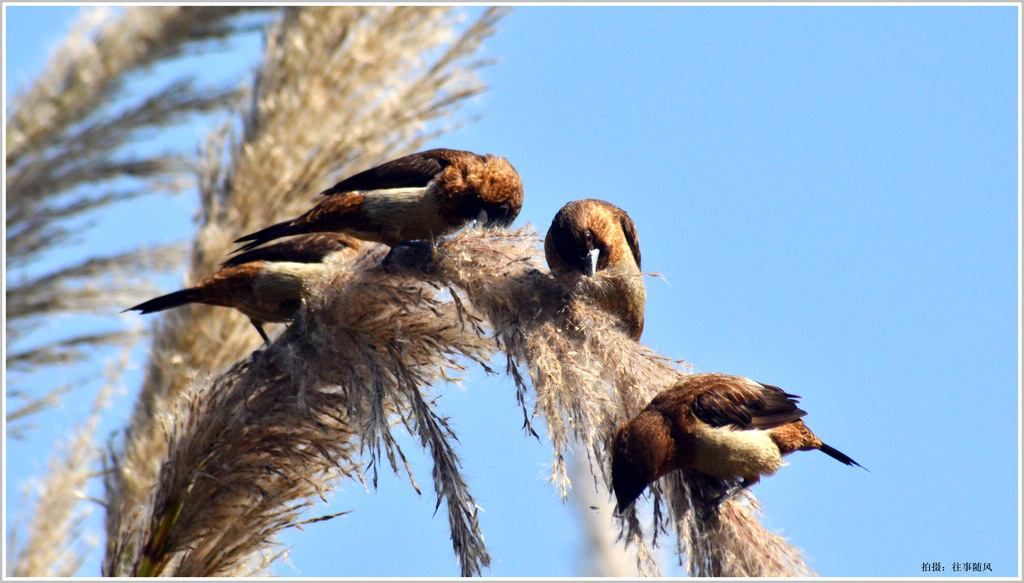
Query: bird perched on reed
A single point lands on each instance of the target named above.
(267, 284)
(592, 237)
(417, 197)
(724, 426)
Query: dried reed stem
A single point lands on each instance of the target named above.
(601, 555)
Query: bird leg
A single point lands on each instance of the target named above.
(707, 508)
(259, 328)
(729, 495)
(419, 255)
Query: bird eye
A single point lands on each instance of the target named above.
(589, 237)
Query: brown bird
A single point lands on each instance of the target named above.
(590, 236)
(267, 284)
(417, 197)
(724, 426)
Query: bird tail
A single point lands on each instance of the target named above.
(283, 229)
(171, 300)
(838, 455)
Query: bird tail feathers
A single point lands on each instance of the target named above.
(838, 455)
(283, 229)
(171, 300)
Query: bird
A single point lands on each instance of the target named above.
(267, 284)
(723, 426)
(592, 236)
(419, 197)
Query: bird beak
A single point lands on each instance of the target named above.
(593, 255)
(500, 217)
(481, 218)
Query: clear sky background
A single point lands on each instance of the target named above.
(832, 197)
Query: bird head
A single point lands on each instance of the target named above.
(635, 457)
(493, 215)
(626, 483)
(581, 250)
(495, 196)
(639, 449)
(585, 236)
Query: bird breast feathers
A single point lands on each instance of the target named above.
(283, 280)
(728, 453)
(413, 211)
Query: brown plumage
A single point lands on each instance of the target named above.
(598, 239)
(417, 197)
(267, 284)
(724, 426)
(302, 249)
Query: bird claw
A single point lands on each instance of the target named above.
(724, 497)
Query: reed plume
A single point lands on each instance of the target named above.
(226, 446)
(255, 446)
(340, 89)
(587, 378)
(55, 543)
(67, 160)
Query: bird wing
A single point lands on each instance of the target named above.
(334, 214)
(414, 170)
(745, 405)
(302, 249)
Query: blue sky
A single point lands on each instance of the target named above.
(831, 195)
